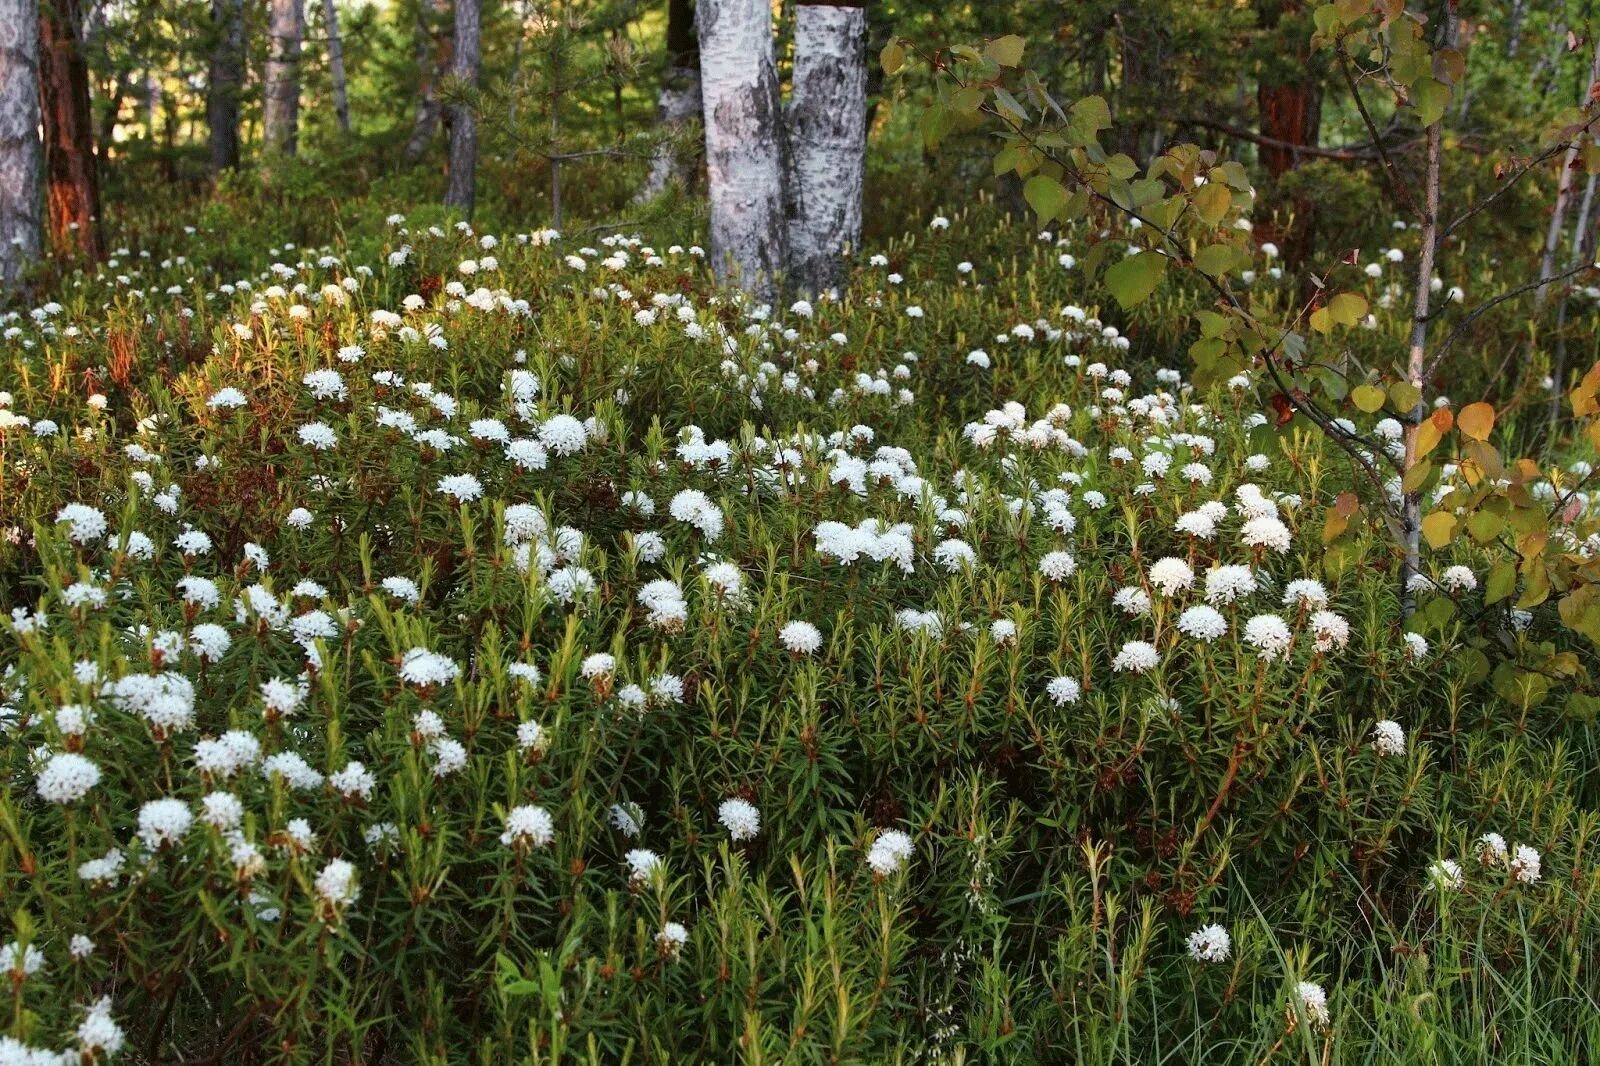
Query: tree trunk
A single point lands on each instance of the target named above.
(72, 183)
(557, 97)
(152, 105)
(460, 191)
(1416, 361)
(827, 127)
(1289, 106)
(1558, 212)
(223, 86)
(341, 97)
(19, 139)
(678, 104)
(1291, 113)
(119, 89)
(744, 157)
(286, 24)
(1577, 254)
(169, 137)
(1135, 75)
(433, 57)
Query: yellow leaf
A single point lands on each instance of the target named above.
(1368, 398)
(1211, 202)
(1416, 476)
(1428, 438)
(893, 57)
(1438, 528)
(1476, 420)
(1347, 308)
(1005, 51)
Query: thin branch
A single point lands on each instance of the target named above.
(1396, 184)
(1345, 439)
(1516, 176)
(1334, 432)
(1565, 498)
(1488, 305)
(1363, 154)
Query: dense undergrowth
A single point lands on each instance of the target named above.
(443, 647)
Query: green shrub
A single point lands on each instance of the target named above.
(398, 651)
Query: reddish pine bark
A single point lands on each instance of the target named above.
(1289, 113)
(1289, 106)
(72, 185)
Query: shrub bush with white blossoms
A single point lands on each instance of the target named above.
(512, 660)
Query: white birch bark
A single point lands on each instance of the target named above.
(744, 150)
(678, 104)
(286, 25)
(341, 95)
(1416, 360)
(827, 125)
(461, 189)
(1564, 187)
(21, 154)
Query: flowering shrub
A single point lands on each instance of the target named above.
(559, 658)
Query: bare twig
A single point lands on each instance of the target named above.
(1397, 184)
(1488, 305)
(1356, 154)
(1515, 176)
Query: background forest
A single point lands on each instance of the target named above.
(667, 531)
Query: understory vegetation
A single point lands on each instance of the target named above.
(621, 532)
(453, 646)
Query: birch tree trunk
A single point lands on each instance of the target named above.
(460, 192)
(1416, 361)
(1558, 213)
(72, 181)
(433, 57)
(286, 25)
(19, 139)
(827, 126)
(678, 104)
(152, 105)
(744, 149)
(341, 96)
(1576, 255)
(224, 83)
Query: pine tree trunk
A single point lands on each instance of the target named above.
(1291, 113)
(827, 126)
(223, 86)
(286, 24)
(678, 104)
(341, 96)
(433, 57)
(19, 139)
(72, 183)
(461, 189)
(1289, 105)
(744, 156)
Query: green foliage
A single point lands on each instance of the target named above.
(1064, 843)
(1063, 847)
(1188, 207)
